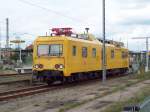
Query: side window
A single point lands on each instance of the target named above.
(123, 54)
(94, 52)
(74, 50)
(126, 54)
(84, 52)
(112, 54)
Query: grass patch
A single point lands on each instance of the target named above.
(1, 67)
(118, 106)
(139, 98)
(143, 76)
(70, 106)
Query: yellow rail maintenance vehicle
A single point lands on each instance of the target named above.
(65, 56)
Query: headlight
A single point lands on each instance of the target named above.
(38, 66)
(59, 66)
(35, 66)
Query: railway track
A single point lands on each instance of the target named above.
(14, 78)
(24, 92)
(42, 88)
(15, 74)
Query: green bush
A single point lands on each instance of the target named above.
(14, 57)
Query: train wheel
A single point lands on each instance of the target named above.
(50, 82)
(64, 80)
(92, 76)
(69, 79)
(75, 77)
(80, 75)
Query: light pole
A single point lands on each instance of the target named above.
(20, 54)
(19, 45)
(147, 55)
(104, 47)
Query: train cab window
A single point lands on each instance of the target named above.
(112, 54)
(94, 52)
(56, 50)
(74, 50)
(84, 52)
(43, 50)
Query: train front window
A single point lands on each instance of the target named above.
(43, 50)
(56, 50)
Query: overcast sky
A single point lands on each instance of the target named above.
(124, 18)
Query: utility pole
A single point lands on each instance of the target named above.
(147, 52)
(0, 46)
(20, 52)
(127, 43)
(7, 33)
(147, 55)
(104, 47)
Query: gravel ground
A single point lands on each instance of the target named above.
(14, 82)
(53, 101)
(7, 72)
(14, 86)
(100, 104)
(7, 79)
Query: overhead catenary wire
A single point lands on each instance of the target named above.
(53, 11)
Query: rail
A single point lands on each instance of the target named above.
(44, 88)
(14, 74)
(24, 92)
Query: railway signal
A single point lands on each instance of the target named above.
(147, 51)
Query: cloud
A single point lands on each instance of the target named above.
(124, 18)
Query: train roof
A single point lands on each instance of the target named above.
(91, 39)
(80, 38)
